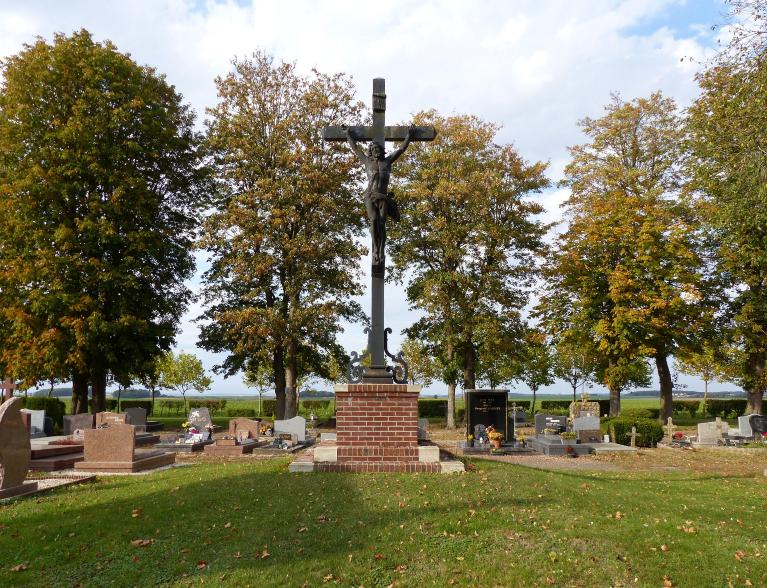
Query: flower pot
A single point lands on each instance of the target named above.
(496, 443)
(569, 441)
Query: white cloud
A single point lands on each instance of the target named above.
(534, 66)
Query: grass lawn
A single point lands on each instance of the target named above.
(251, 523)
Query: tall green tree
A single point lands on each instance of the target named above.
(629, 264)
(284, 260)
(536, 363)
(183, 373)
(709, 364)
(422, 367)
(575, 360)
(468, 239)
(728, 164)
(100, 185)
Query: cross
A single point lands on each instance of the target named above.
(634, 436)
(669, 429)
(8, 387)
(379, 204)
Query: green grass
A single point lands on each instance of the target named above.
(252, 523)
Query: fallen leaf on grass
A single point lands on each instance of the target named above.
(135, 513)
(667, 583)
(202, 564)
(20, 567)
(264, 554)
(618, 515)
(141, 542)
(228, 526)
(327, 578)
(664, 548)
(237, 555)
(378, 556)
(739, 555)
(303, 530)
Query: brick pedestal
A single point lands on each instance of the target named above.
(377, 430)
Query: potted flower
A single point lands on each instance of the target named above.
(522, 440)
(470, 440)
(568, 438)
(550, 431)
(495, 437)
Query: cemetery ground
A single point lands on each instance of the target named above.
(653, 521)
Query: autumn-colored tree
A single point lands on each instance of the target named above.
(422, 368)
(284, 260)
(467, 240)
(575, 359)
(100, 185)
(708, 364)
(628, 266)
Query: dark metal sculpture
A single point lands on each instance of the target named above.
(380, 205)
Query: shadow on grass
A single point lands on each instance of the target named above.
(242, 520)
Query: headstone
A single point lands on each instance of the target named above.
(423, 429)
(584, 408)
(548, 421)
(587, 428)
(135, 416)
(15, 448)
(116, 443)
(110, 418)
(37, 422)
(251, 428)
(199, 418)
(744, 426)
(295, 426)
(488, 408)
(634, 436)
(82, 421)
(668, 428)
(758, 424)
(712, 433)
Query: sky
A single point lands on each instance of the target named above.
(534, 67)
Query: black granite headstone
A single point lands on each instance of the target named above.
(548, 421)
(486, 407)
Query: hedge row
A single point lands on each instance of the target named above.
(726, 408)
(649, 431)
(690, 406)
(213, 406)
(315, 404)
(53, 407)
(640, 413)
(552, 405)
(241, 412)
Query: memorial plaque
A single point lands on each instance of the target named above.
(548, 421)
(487, 407)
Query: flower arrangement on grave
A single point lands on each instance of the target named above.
(568, 435)
(550, 431)
(495, 436)
(470, 440)
(266, 430)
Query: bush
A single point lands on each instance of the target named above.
(521, 404)
(690, 406)
(318, 405)
(213, 406)
(650, 431)
(175, 407)
(53, 407)
(241, 412)
(641, 413)
(432, 409)
(726, 408)
(460, 415)
(145, 404)
(555, 405)
(269, 407)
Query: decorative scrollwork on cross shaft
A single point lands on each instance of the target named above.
(356, 369)
(400, 369)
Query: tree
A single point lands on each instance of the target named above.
(706, 364)
(629, 264)
(422, 368)
(574, 360)
(182, 373)
(100, 186)
(728, 158)
(284, 260)
(262, 380)
(467, 240)
(536, 363)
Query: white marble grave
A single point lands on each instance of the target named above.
(295, 426)
(712, 432)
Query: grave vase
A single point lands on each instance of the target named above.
(496, 443)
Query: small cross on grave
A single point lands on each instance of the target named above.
(634, 436)
(669, 429)
(8, 387)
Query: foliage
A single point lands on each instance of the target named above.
(309, 405)
(575, 360)
(282, 233)
(628, 269)
(725, 407)
(690, 406)
(536, 363)
(642, 413)
(182, 373)
(432, 408)
(422, 368)
(213, 406)
(649, 431)
(467, 241)
(100, 186)
(241, 412)
(53, 407)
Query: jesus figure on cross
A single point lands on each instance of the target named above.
(379, 202)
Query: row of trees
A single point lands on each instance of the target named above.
(104, 180)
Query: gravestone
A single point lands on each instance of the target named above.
(584, 408)
(113, 449)
(488, 408)
(295, 426)
(758, 424)
(135, 416)
(587, 428)
(423, 430)
(199, 418)
(250, 427)
(712, 433)
(744, 426)
(548, 421)
(74, 422)
(15, 450)
(36, 422)
(110, 418)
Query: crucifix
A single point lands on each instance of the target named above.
(669, 429)
(8, 388)
(634, 436)
(379, 205)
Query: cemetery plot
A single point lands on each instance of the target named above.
(113, 449)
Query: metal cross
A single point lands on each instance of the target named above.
(378, 133)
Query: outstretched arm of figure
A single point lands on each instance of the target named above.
(355, 147)
(394, 155)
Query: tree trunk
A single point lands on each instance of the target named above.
(666, 387)
(79, 392)
(278, 367)
(469, 367)
(615, 401)
(533, 407)
(756, 393)
(575, 389)
(451, 406)
(291, 377)
(99, 385)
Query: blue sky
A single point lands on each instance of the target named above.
(534, 66)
